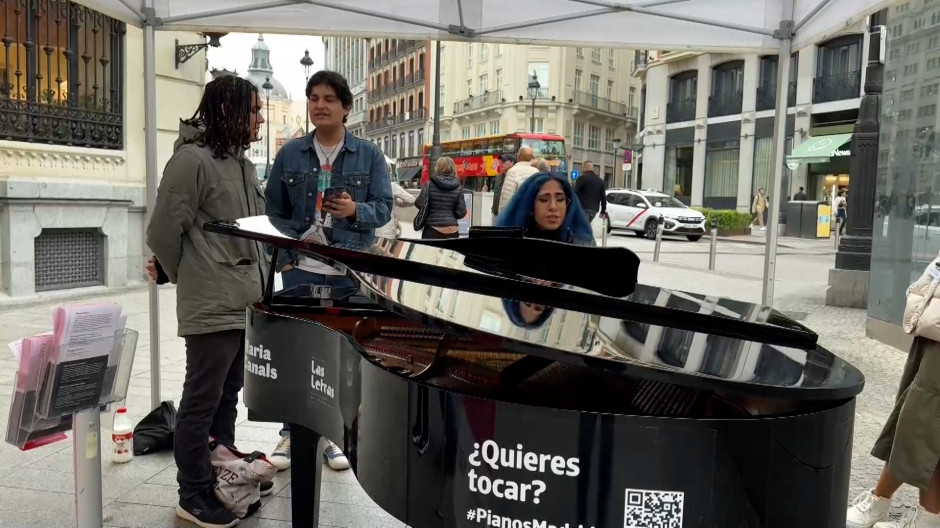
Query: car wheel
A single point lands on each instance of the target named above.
(650, 230)
(694, 238)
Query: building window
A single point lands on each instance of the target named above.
(610, 89)
(577, 81)
(594, 137)
(499, 79)
(579, 52)
(839, 69)
(465, 132)
(610, 58)
(481, 130)
(61, 74)
(484, 52)
(470, 57)
(494, 127)
(539, 125)
(683, 88)
(596, 55)
(421, 140)
(609, 139)
(394, 152)
(631, 97)
(499, 50)
(594, 86)
(484, 84)
(721, 174)
(578, 133)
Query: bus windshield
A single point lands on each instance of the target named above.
(546, 148)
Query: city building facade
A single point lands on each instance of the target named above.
(72, 167)
(397, 100)
(708, 120)
(347, 56)
(584, 95)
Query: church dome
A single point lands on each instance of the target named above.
(261, 70)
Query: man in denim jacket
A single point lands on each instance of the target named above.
(328, 159)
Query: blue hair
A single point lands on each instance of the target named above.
(518, 212)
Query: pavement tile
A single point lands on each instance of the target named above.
(127, 515)
(26, 508)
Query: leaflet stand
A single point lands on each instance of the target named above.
(54, 394)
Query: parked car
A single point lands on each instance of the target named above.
(638, 211)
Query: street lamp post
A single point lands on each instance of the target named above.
(533, 94)
(616, 144)
(306, 62)
(267, 86)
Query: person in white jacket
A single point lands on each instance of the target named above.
(403, 198)
(516, 175)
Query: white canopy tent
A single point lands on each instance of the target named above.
(767, 26)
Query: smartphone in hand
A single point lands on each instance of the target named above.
(333, 193)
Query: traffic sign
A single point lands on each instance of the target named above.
(574, 174)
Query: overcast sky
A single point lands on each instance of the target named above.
(286, 52)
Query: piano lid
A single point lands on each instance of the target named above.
(664, 353)
(414, 261)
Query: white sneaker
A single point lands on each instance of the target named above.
(280, 457)
(915, 518)
(335, 458)
(866, 510)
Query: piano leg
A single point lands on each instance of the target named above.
(305, 476)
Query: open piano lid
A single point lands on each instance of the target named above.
(705, 338)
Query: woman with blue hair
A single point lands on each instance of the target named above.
(546, 207)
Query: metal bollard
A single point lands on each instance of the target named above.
(713, 247)
(604, 231)
(838, 221)
(659, 238)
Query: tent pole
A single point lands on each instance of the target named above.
(785, 36)
(436, 127)
(150, 148)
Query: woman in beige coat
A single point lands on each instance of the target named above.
(910, 441)
(759, 206)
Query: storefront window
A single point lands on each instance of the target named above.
(678, 177)
(721, 174)
(762, 175)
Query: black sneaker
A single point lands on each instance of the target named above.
(206, 511)
(267, 488)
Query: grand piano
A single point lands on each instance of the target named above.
(500, 381)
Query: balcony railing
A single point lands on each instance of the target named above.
(478, 102)
(600, 103)
(396, 120)
(640, 60)
(680, 110)
(725, 104)
(66, 87)
(837, 87)
(415, 78)
(767, 96)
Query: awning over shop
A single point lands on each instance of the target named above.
(408, 173)
(819, 149)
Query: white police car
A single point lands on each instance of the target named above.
(638, 211)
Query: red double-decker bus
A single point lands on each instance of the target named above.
(477, 159)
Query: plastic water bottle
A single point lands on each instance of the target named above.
(122, 438)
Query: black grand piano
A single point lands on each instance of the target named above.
(496, 381)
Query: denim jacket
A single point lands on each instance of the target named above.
(291, 190)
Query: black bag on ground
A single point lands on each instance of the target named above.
(155, 432)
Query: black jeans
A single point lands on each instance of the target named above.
(215, 372)
(433, 234)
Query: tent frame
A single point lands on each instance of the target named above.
(784, 35)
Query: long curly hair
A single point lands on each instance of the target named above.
(224, 115)
(518, 213)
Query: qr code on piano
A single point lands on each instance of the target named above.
(653, 509)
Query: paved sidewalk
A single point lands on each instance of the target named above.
(36, 486)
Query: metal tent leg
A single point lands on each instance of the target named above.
(150, 134)
(785, 35)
